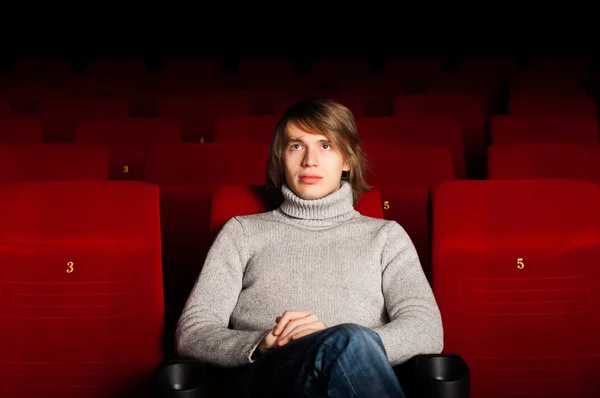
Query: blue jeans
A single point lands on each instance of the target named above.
(346, 361)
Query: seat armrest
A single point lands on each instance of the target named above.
(181, 378)
(435, 376)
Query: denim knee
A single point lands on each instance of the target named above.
(346, 334)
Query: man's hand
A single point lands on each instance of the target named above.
(295, 324)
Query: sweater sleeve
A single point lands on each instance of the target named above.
(415, 325)
(202, 331)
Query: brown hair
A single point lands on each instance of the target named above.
(320, 116)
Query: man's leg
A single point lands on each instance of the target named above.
(346, 360)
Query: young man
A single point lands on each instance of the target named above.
(312, 299)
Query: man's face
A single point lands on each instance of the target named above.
(313, 167)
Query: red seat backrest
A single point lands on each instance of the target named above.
(516, 277)
(82, 296)
(52, 162)
(512, 129)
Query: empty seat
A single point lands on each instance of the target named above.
(81, 302)
(52, 162)
(256, 128)
(418, 129)
(403, 175)
(127, 140)
(516, 277)
(59, 115)
(20, 129)
(197, 114)
(187, 173)
(468, 109)
(544, 160)
(552, 105)
(512, 129)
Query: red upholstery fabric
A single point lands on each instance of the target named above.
(198, 113)
(512, 129)
(52, 162)
(403, 175)
(468, 109)
(516, 276)
(416, 129)
(544, 160)
(60, 114)
(551, 105)
(245, 128)
(228, 201)
(187, 173)
(127, 140)
(20, 129)
(81, 289)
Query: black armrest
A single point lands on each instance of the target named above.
(435, 376)
(423, 376)
(181, 378)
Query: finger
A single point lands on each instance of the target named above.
(303, 333)
(288, 316)
(291, 325)
(285, 339)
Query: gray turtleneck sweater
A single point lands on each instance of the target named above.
(317, 255)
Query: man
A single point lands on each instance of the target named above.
(321, 300)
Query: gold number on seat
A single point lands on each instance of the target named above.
(125, 169)
(386, 205)
(520, 264)
(70, 266)
(202, 140)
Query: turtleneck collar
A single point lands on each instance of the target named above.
(337, 205)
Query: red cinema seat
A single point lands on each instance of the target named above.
(228, 201)
(416, 130)
(403, 175)
(469, 109)
(187, 173)
(513, 129)
(552, 105)
(127, 140)
(20, 129)
(516, 277)
(59, 115)
(52, 162)
(255, 128)
(197, 113)
(544, 160)
(82, 299)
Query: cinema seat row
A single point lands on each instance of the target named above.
(95, 269)
(81, 282)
